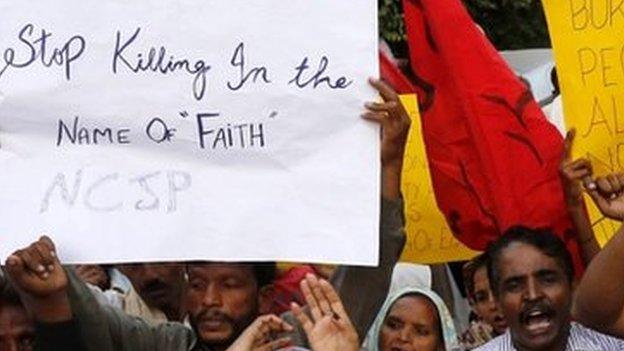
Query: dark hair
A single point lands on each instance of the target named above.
(542, 239)
(470, 269)
(264, 272)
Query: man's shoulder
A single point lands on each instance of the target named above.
(583, 337)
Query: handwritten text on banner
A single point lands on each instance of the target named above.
(429, 238)
(589, 51)
(169, 130)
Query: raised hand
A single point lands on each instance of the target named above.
(259, 335)
(608, 195)
(35, 270)
(574, 173)
(37, 275)
(395, 123)
(330, 328)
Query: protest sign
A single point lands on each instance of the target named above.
(190, 130)
(429, 239)
(589, 54)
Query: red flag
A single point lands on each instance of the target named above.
(493, 155)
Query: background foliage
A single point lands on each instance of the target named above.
(510, 24)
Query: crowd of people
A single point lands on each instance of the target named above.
(522, 291)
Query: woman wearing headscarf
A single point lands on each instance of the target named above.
(413, 319)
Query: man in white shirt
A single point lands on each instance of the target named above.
(532, 276)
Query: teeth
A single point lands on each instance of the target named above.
(538, 325)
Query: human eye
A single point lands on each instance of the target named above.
(513, 285)
(423, 331)
(480, 296)
(549, 278)
(197, 284)
(232, 283)
(394, 324)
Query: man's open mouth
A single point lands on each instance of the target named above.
(537, 320)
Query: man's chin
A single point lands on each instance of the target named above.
(540, 342)
(210, 336)
(215, 338)
(499, 328)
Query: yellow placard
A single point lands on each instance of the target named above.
(429, 239)
(588, 41)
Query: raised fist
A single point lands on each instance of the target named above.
(36, 270)
(608, 195)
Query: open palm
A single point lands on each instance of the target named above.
(332, 334)
(329, 328)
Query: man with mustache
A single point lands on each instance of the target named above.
(222, 299)
(532, 276)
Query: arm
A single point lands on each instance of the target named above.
(55, 296)
(573, 175)
(363, 289)
(599, 300)
(124, 332)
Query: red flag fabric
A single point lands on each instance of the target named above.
(493, 155)
(392, 75)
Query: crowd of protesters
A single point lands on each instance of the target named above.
(521, 291)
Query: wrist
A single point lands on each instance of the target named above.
(50, 309)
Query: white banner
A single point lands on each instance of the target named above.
(157, 130)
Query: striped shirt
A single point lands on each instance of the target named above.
(580, 339)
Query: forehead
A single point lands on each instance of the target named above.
(161, 269)
(415, 309)
(221, 271)
(520, 259)
(480, 279)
